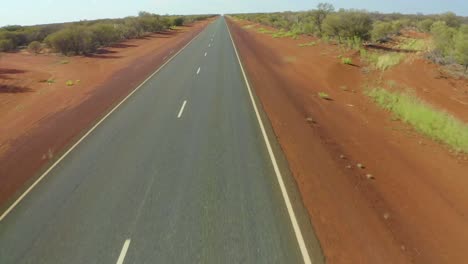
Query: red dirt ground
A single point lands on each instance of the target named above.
(39, 119)
(415, 210)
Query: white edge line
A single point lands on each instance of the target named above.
(91, 130)
(292, 215)
(123, 252)
(182, 109)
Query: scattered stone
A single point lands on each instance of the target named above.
(310, 120)
(359, 165)
(342, 156)
(403, 247)
(349, 167)
(386, 216)
(370, 177)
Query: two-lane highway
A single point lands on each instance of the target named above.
(178, 173)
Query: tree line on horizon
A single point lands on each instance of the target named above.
(353, 27)
(86, 37)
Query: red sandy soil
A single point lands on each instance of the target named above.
(415, 209)
(39, 120)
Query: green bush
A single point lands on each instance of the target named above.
(179, 21)
(73, 40)
(105, 34)
(451, 19)
(35, 47)
(381, 30)
(443, 38)
(6, 45)
(425, 25)
(461, 46)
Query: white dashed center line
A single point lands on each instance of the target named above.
(123, 253)
(206, 53)
(182, 109)
(198, 71)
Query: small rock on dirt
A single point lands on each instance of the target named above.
(359, 165)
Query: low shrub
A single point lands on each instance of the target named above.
(35, 47)
(6, 45)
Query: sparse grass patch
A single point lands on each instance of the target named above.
(64, 62)
(381, 61)
(70, 83)
(264, 31)
(324, 96)
(309, 44)
(388, 60)
(414, 44)
(436, 124)
(285, 34)
(347, 61)
(248, 26)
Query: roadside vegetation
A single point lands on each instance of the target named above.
(367, 31)
(382, 42)
(87, 37)
(434, 123)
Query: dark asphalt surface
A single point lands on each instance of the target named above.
(195, 189)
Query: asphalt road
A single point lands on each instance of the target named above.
(179, 173)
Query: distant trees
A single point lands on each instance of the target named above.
(352, 27)
(451, 19)
(319, 15)
(87, 36)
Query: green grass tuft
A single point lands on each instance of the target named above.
(265, 31)
(309, 44)
(70, 83)
(347, 61)
(324, 95)
(431, 122)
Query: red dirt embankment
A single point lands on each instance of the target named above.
(39, 119)
(414, 207)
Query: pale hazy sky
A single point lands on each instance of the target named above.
(28, 12)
